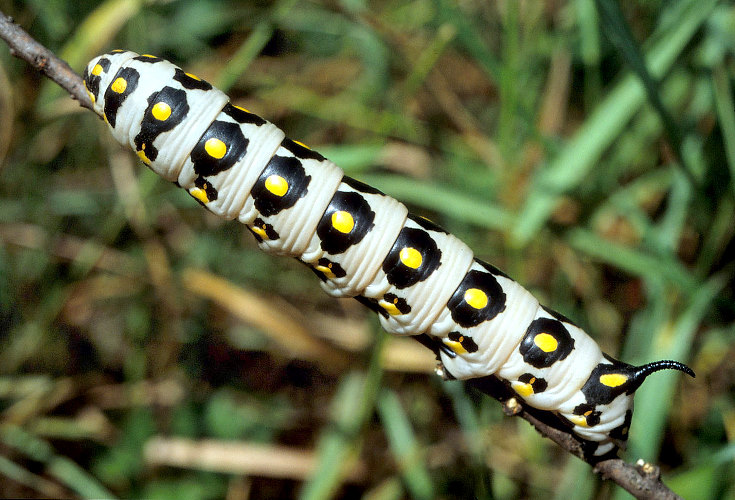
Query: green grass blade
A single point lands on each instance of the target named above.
(64, 470)
(77, 479)
(725, 107)
(245, 55)
(248, 51)
(633, 261)
(672, 340)
(404, 446)
(470, 36)
(338, 445)
(352, 407)
(618, 31)
(23, 476)
(609, 119)
(444, 200)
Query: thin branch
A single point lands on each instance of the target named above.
(24, 46)
(642, 480)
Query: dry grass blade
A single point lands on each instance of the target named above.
(237, 458)
(279, 320)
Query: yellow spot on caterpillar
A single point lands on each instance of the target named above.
(276, 185)
(200, 194)
(97, 70)
(475, 298)
(546, 342)
(259, 231)
(613, 379)
(161, 111)
(91, 96)
(241, 108)
(579, 420)
(302, 144)
(119, 85)
(455, 346)
(326, 270)
(410, 257)
(390, 307)
(522, 388)
(193, 76)
(148, 55)
(342, 221)
(215, 148)
(141, 153)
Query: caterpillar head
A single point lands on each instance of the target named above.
(99, 73)
(152, 106)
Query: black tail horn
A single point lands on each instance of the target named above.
(644, 371)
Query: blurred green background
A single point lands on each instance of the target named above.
(149, 350)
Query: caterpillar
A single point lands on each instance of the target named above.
(421, 280)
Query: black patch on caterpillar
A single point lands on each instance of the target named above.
(402, 276)
(397, 301)
(92, 82)
(150, 127)
(361, 186)
(202, 183)
(589, 448)
(235, 143)
(290, 169)
(621, 432)
(591, 416)
(598, 393)
(534, 355)
(242, 116)
(301, 151)
(538, 384)
(334, 241)
(371, 304)
(113, 100)
(435, 345)
(464, 340)
(270, 232)
(492, 269)
(610, 358)
(334, 267)
(427, 224)
(189, 82)
(465, 314)
(558, 316)
(148, 59)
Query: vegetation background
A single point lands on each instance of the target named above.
(149, 350)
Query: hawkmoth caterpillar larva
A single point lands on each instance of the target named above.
(361, 243)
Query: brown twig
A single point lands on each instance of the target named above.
(23, 46)
(642, 480)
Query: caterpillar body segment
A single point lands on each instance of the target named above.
(345, 252)
(417, 277)
(361, 243)
(233, 138)
(289, 198)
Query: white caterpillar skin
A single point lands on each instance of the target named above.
(364, 244)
